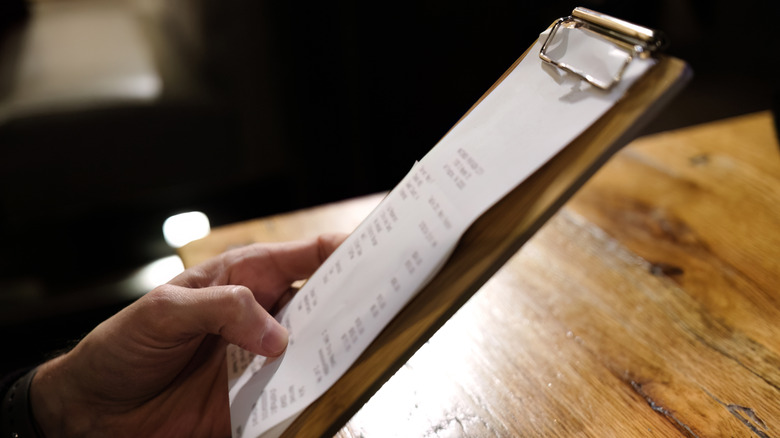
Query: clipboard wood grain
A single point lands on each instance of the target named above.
(489, 243)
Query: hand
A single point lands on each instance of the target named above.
(157, 368)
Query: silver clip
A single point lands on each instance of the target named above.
(635, 41)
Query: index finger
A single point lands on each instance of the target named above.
(267, 269)
(279, 264)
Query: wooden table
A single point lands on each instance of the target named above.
(647, 306)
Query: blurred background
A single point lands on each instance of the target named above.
(117, 114)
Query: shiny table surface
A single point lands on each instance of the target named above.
(647, 306)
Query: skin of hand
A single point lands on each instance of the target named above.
(157, 368)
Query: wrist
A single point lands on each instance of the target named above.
(54, 405)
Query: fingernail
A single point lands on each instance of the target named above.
(274, 339)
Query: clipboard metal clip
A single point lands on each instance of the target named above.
(630, 39)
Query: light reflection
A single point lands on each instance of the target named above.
(157, 273)
(425, 396)
(139, 86)
(181, 229)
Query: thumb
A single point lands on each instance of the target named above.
(228, 311)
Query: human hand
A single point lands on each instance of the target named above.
(157, 368)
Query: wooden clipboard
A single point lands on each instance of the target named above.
(490, 242)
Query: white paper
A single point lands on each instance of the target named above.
(525, 121)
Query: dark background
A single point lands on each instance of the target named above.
(274, 106)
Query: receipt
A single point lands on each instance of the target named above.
(526, 120)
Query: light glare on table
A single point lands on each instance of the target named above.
(183, 228)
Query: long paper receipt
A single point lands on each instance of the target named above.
(527, 119)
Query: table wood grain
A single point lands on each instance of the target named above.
(647, 306)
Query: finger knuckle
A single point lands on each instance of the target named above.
(239, 296)
(161, 301)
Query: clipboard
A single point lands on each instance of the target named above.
(502, 230)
